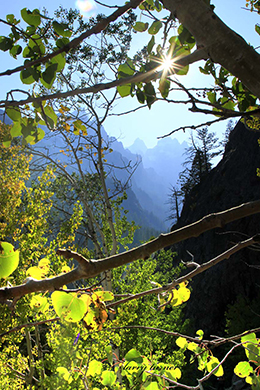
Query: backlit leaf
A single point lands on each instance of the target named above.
(155, 27)
(68, 306)
(105, 295)
(108, 378)
(49, 75)
(243, 369)
(134, 355)
(150, 45)
(94, 368)
(14, 113)
(32, 18)
(124, 90)
(9, 259)
(126, 69)
(60, 61)
(181, 342)
(61, 29)
(140, 26)
(213, 363)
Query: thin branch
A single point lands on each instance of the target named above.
(28, 325)
(193, 127)
(198, 270)
(169, 333)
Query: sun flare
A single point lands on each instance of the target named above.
(167, 64)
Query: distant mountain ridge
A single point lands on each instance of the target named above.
(158, 169)
(162, 165)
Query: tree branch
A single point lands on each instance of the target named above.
(199, 269)
(223, 45)
(100, 26)
(90, 268)
(139, 77)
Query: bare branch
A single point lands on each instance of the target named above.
(198, 270)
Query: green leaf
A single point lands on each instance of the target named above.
(227, 103)
(61, 29)
(183, 71)
(9, 259)
(5, 43)
(29, 75)
(30, 30)
(108, 378)
(150, 45)
(134, 355)
(150, 94)
(7, 140)
(32, 18)
(152, 386)
(212, 364)
(60, 61)
(182, 342)
(158, 6)
(185, 36)
(35, 47)
(124, 90)
(14, 113)
(250, 343)
(51, 116)
(10, 18)
(95, 368)
(140, 96)
(243, 369)
(202, 70)
(16, 130)
(257, 28)
(39, 134)
(249, 338)
(155, 27)
(68, 306)
(15, 51)
(105, 295)
(49, 75)
(109, 352)
(65, 374)
(39, 303)
(126, 69)
(212, 97)
(173, 374)
(200, 334)
(140, 26)
(62, 42)
(164, 87)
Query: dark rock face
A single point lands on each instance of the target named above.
(232, 182)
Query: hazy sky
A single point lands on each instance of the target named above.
(162, 118)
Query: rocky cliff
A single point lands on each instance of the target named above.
(232, 182)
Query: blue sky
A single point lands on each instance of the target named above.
(162, 118)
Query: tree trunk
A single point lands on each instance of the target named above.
(223, 45)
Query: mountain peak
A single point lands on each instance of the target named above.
(138, 147)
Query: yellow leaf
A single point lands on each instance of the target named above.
(34, 272)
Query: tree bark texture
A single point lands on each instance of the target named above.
(223, 45)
